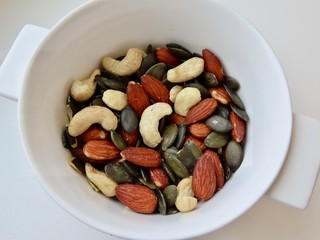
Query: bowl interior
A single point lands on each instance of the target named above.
(76, 45)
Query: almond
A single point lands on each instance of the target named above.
(138, 99)
(141, 156)
(212, 64)
(197, 141)
(219, 171)
(239, 127)
(201, 111)
(101, 150)
(199, 130)
(220, 94)
(130, 138)
(138, 198)
(78, 153)
(165, 56)
(204, 178)
(94, 132)
(155, 89)
(159, 177)
(177, 119)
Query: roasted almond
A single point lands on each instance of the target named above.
(212, 64)
(94, 132)
(155, 89)
(239, 127)
(199, 130)
(197, 141)
(159, 177)
(138, 198)
(220, 94)
(142, 156)
(201, 111)
(101, 150)
(204, 178)
(165, 56)
(138, 99)
(177, 119)
(219, 171)
(129, 138)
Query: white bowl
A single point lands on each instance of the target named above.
(76, 45)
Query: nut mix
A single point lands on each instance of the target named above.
(159, 131)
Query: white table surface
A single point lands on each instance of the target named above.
(27, 211)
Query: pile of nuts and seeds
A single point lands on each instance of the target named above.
(158, 130)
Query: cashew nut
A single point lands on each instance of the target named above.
(186, 99)
(115, 99)
(186, 71)
(82, 90)
(149, 123)
(185, 201)
(83, 119)
(127, 66)
(106, 185)
(174, 92)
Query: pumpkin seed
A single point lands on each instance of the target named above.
(234, 97)
(178, 168)
(170, 134)
(234, 155)
(162, 123)
(110, 75)
(117, 140)
(132, 168)
(129, 120)
(189, 155)
(170, 194)
(219, 124)
(227, 171)
(222, 111)
(67, 140)
(145, 173)
(231, 83)
(168, 84)
(150, 49)
(107, 83)
(172, 210)
(72, 107)
(181, 136)
(240, 112)
(216, 140)
(202, 89)
(158, 70)
(118, 172)
(168, 170)
(162, 205)
(97, 101)
(179, 51)
(77, 165)
(93, 186)
(208, 79)
(147, 63)
(148, 184)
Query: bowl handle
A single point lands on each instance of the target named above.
(296, 180)
(15, 65)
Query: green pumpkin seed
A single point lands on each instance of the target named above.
(148, 184)
(117, 140)
(202, 89)
(178, 168)
(227, 171)
(168, 84)
(234, 97)
(162, 205)
(208, 79)
(240, 112)
(67, 140)
(77, 165)
(179, 51)
(118, 172)
(150, 49)
(189, 155)
(219, 124)
(170, 134)
(129, 120)
(181, 136)
(234, 155)
(147, 63)
(110, 75)
(216, 140)
(132, 168)
(168, 170)
(231, 83)
(172, 210)
(72, 107)
(158, 70)
(97, 101)
(163, 123)
(108, 83)
(222, 111)
(145, 173)
(93, 186)
(170, 194)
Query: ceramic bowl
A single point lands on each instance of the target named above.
(76, 45)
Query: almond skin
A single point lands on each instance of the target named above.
(138, 198)
(165, 56)
(101, 150)
(129, 138)
(159, 177)
(94, 132)
(201, 111)
(141, 156)
(138, 99)
(204, 178)
(239, 127)
(155, 89)
(199, 130)
(197, 141)
(220, 94)
(177, 119)
(218, 168)
(212, 64)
